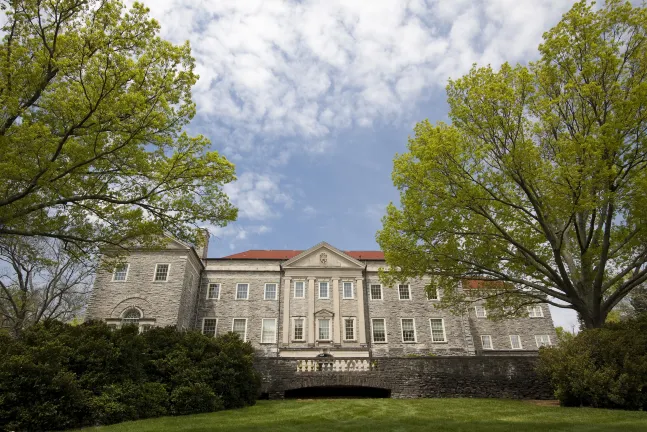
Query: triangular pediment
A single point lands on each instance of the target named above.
(323, 255)
(324, 313)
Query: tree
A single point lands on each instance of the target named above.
(539, 182)
(93, 106)
(41, 279)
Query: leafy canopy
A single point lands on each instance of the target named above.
(539, 181)
(93, 106)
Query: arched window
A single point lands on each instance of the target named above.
(131, 316)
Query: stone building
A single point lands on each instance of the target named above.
(292, 303)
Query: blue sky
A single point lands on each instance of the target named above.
(312, 99)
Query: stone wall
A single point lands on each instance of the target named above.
(498, 377)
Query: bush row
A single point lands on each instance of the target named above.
(604, 368)
(57, 376)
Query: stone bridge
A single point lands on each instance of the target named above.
(405, 377)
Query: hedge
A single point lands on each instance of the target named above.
(57, 376)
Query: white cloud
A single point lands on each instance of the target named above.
(309, 69)
(257, 196)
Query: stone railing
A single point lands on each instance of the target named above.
(336, 365)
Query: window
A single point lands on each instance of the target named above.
(324, 329)
(131, 317)
(349, 328)
(242, 291)
(404, 292)
(379, 330)
(298, 329)
(268, 331)
(376, 292)
(239, 327)
(161, 272)
(145, 327)
(437, 330)
(323, 290)
(209, 326)
(299, 289)
(213, 291)
(486, 342)
(121, 273)
(542, 340)
(347, 290)
(408, 329)
(535, 311)
(515, 342)
(480, 312)
(432, 294)
(270, 291)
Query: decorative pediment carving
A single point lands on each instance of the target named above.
(324, 313)
(323, 256)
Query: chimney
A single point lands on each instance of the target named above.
(203, 249)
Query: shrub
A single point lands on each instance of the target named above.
(605, 368)
(56, 376)
(195, 398)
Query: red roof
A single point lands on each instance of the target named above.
(287, 254)
(476, 284)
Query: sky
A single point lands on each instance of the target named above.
(312, 99)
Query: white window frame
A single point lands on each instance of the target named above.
(386, 337)
(415, 333)
(303, 331)
(233, 320)
(215, 330)
(295, 289)
(329, 329)
(431, 329)
(168, 273)
(327, 290)
(550, 343)
(476, 311)
(219, 290)
(533, 309)
(408, 289)
(343, 290)
(114, 272)
(276, 330)
(343, 320)
(491, 342)
(512, 343)
(276, 291)
(433, 299)
(370, 289)
(236, 293)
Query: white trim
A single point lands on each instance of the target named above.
(442, 323)
(533, 309)
(294, 289)
(329, 319)
(141, 312)
(491, 342)
(476, 311)
(370, 292)
(415, 333)
(319, 290)
(232, 326)
(168, 272)
(125, 279)
(433, 299)
(354, 320)
(276, 291)
(537, 340)
(386, 338)
(352, 290)
(219, 290)
(276, 329)
(408, 288)
(215, 330)
(512, 344)
(236, 292)
(303, 330)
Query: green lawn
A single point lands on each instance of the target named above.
(374, 415)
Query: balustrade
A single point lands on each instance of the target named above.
(336, 365)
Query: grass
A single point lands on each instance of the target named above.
(375, 415)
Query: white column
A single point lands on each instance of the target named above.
(286, 310)
(336, 310)
(360, 311)
(311, 310)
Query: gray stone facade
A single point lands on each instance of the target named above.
(184, 300)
